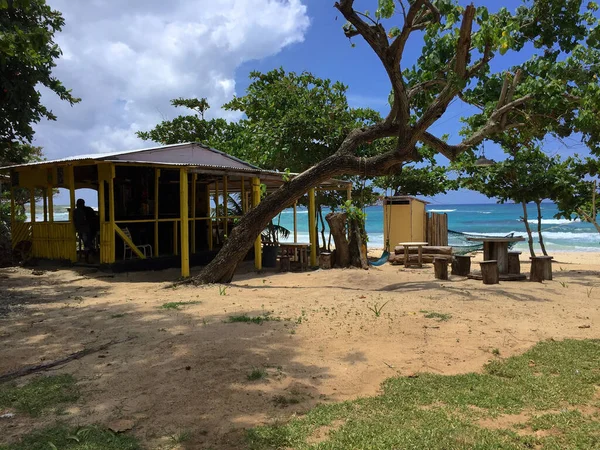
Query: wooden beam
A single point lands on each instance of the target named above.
(128, 241)
(111, 212)
(210, 221)
(185, 216)
(225, 205)
(258, 241)
(243, 195)
(45, 200)
(71, 171)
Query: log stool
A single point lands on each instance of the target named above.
(461, 265)
(325, 260)
(440, 268)
(541, 268)
(514, 264)
(490, 274)
(284, 263)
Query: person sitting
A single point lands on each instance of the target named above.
(84, 219)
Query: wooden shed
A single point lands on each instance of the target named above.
(173, 200)
(404, 220)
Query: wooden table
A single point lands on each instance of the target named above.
(419, 246)
(497, 248)
(297, 251)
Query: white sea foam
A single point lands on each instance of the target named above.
(441, 210)
(553, 221)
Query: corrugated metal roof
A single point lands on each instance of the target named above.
(187, 156)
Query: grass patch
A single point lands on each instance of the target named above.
(444, 412)
(256, 374)
(251, 319)
(441, 317)
(61, 437)
(176, 305)
(39, 394)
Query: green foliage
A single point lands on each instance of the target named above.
(39, 394)
(177, 305)
(251, 319)
(65, 438)
(27, 56)
(256, 374)
(441, 317)
(444, 412)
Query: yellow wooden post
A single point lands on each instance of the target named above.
(243, 195)
(71, 171)
(258, 241)
(184, 214)
(349, 192)
(210, 222)
(12, 207)
(194, 180)
(295, 222)
(312, 230)
(225, 201)
(217, 220)
(111, 214)
(101, 204)
(45, 194)
(50, 192)
(32, 204)
(156, 183)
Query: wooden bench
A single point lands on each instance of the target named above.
(490, 273)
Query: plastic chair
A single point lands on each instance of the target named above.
(143, 247)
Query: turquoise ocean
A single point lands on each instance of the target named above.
(488, 219)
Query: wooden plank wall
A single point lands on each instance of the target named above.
(437, 229)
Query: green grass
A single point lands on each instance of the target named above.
(61, 437)
(251, 319)
(176, 305)
(256, 374)
(443, 412)
(441, 317)
(39, 394)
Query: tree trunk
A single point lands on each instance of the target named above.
(322, 227)
(440, 268)
(343, 162)
(539, 228)
(529, 236)
(337, 226)
(358, 258)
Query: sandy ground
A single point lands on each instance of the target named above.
(171, 371)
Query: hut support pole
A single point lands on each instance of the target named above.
(243, 195)
(111, 212)
(50, 194)
(258, 241)
(225, 211)
(72, 210)
(45, 205)
(184, 215)
(156, 187)
(295, 221)
(349, 192)
(194, 180)
(312, 227)
(210, 221)
(32, 204)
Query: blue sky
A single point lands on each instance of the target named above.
(182, 56)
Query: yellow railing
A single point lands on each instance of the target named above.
(54, 240)
(20, 231)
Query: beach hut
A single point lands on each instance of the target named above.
(404, 219)
(172, 201)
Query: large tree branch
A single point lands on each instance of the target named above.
(425, 85)
(439, 105)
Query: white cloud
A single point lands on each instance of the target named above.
(127, 59)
